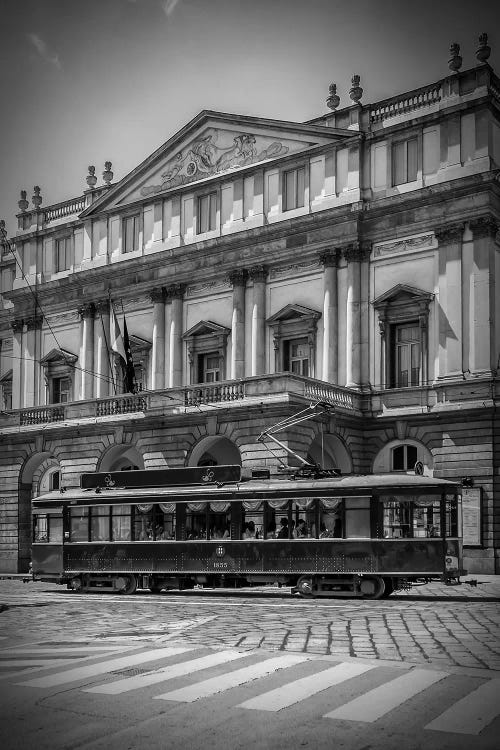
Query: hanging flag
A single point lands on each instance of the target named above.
(130, 384)
(117, 343)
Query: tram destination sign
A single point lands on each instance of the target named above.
(194, 475)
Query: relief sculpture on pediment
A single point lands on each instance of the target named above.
(204, 158)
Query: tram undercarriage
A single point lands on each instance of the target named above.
(307, 586)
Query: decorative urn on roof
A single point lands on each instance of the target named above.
(36, 198)
(333, 100)
(355, 92)
(484, 49)
(91, 179)
(23, 203)
(455, 61)
(107, 175)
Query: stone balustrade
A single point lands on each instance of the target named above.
(41, 415)
(66, 208)
(410, 102)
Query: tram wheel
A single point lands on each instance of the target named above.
(305, 586)
(76, 585)
(126, 584)
(372, 587)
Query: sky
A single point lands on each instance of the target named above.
(87, 81)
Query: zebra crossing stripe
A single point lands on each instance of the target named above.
(58, 650)
(299, 690)
(166, 673)
(472, 713)
(232, 679)
(379, 701)
(90, 670)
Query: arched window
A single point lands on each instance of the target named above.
(404, 457)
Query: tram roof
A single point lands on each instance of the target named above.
(258, 489)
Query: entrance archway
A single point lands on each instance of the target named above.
(121, 458)
(329, 452)
(34, 479)
(214, 450)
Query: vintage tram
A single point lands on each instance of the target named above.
(362, 536)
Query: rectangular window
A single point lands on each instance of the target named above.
(404, 162)
(404, 457)
(62, 258)
(61, 390)
(209, 368)
(299, 357)
(41, 529)
(207, 212)
(396, 518)
(99, 524)
(426, 517)
(407, 355)
(294, 182)
(120, 523)
(130, 234)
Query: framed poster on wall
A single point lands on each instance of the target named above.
(471, 516)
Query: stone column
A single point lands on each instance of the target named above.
(102, 354)
(157, 297)
(17, 363)
(175, 294)
(258, 274)
(354, 254)
(330, 260)
(484, 319)
(450, 300)
(31, 361)
(86, 314)
(238, 279)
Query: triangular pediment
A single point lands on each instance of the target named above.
(402, 294)
(59, 356)
(206, 328)
(293, 312)
(213, 144)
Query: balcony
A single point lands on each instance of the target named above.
(267, 389)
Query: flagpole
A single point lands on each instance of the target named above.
(107, 347)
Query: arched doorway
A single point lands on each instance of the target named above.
(121, 458)
(214, 450)
(40, 474)
(329, 452)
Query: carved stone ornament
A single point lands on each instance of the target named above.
(91, 179)
(356, 251)
(450, 233)
(102, 307)
(238, 277)
(17, 325)
(23, 203)
(34, 323)
(330, 258)
(403, 245)
(455, 61)
(355, 92)
(86, 311)
(484, 50)
(157, 295)
(484, 226)
(204, 157)
(333, 100)
(175, 291)
(37, 198)
(258, 273)
(3, 232)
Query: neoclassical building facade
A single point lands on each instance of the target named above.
(261, 266)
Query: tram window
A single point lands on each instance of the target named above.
(120, 523)
(41, 529)
(79, 525)
(143, 523)
(219, 525)
(330, 518)
(55, 529)
(253, 522)
(396, 518)
(196, 524)
(357, 517)
(303, 516)
(426, 517)
(99, 524)
(164, 525)
(451, 516)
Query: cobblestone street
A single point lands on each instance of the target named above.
(447, 626)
